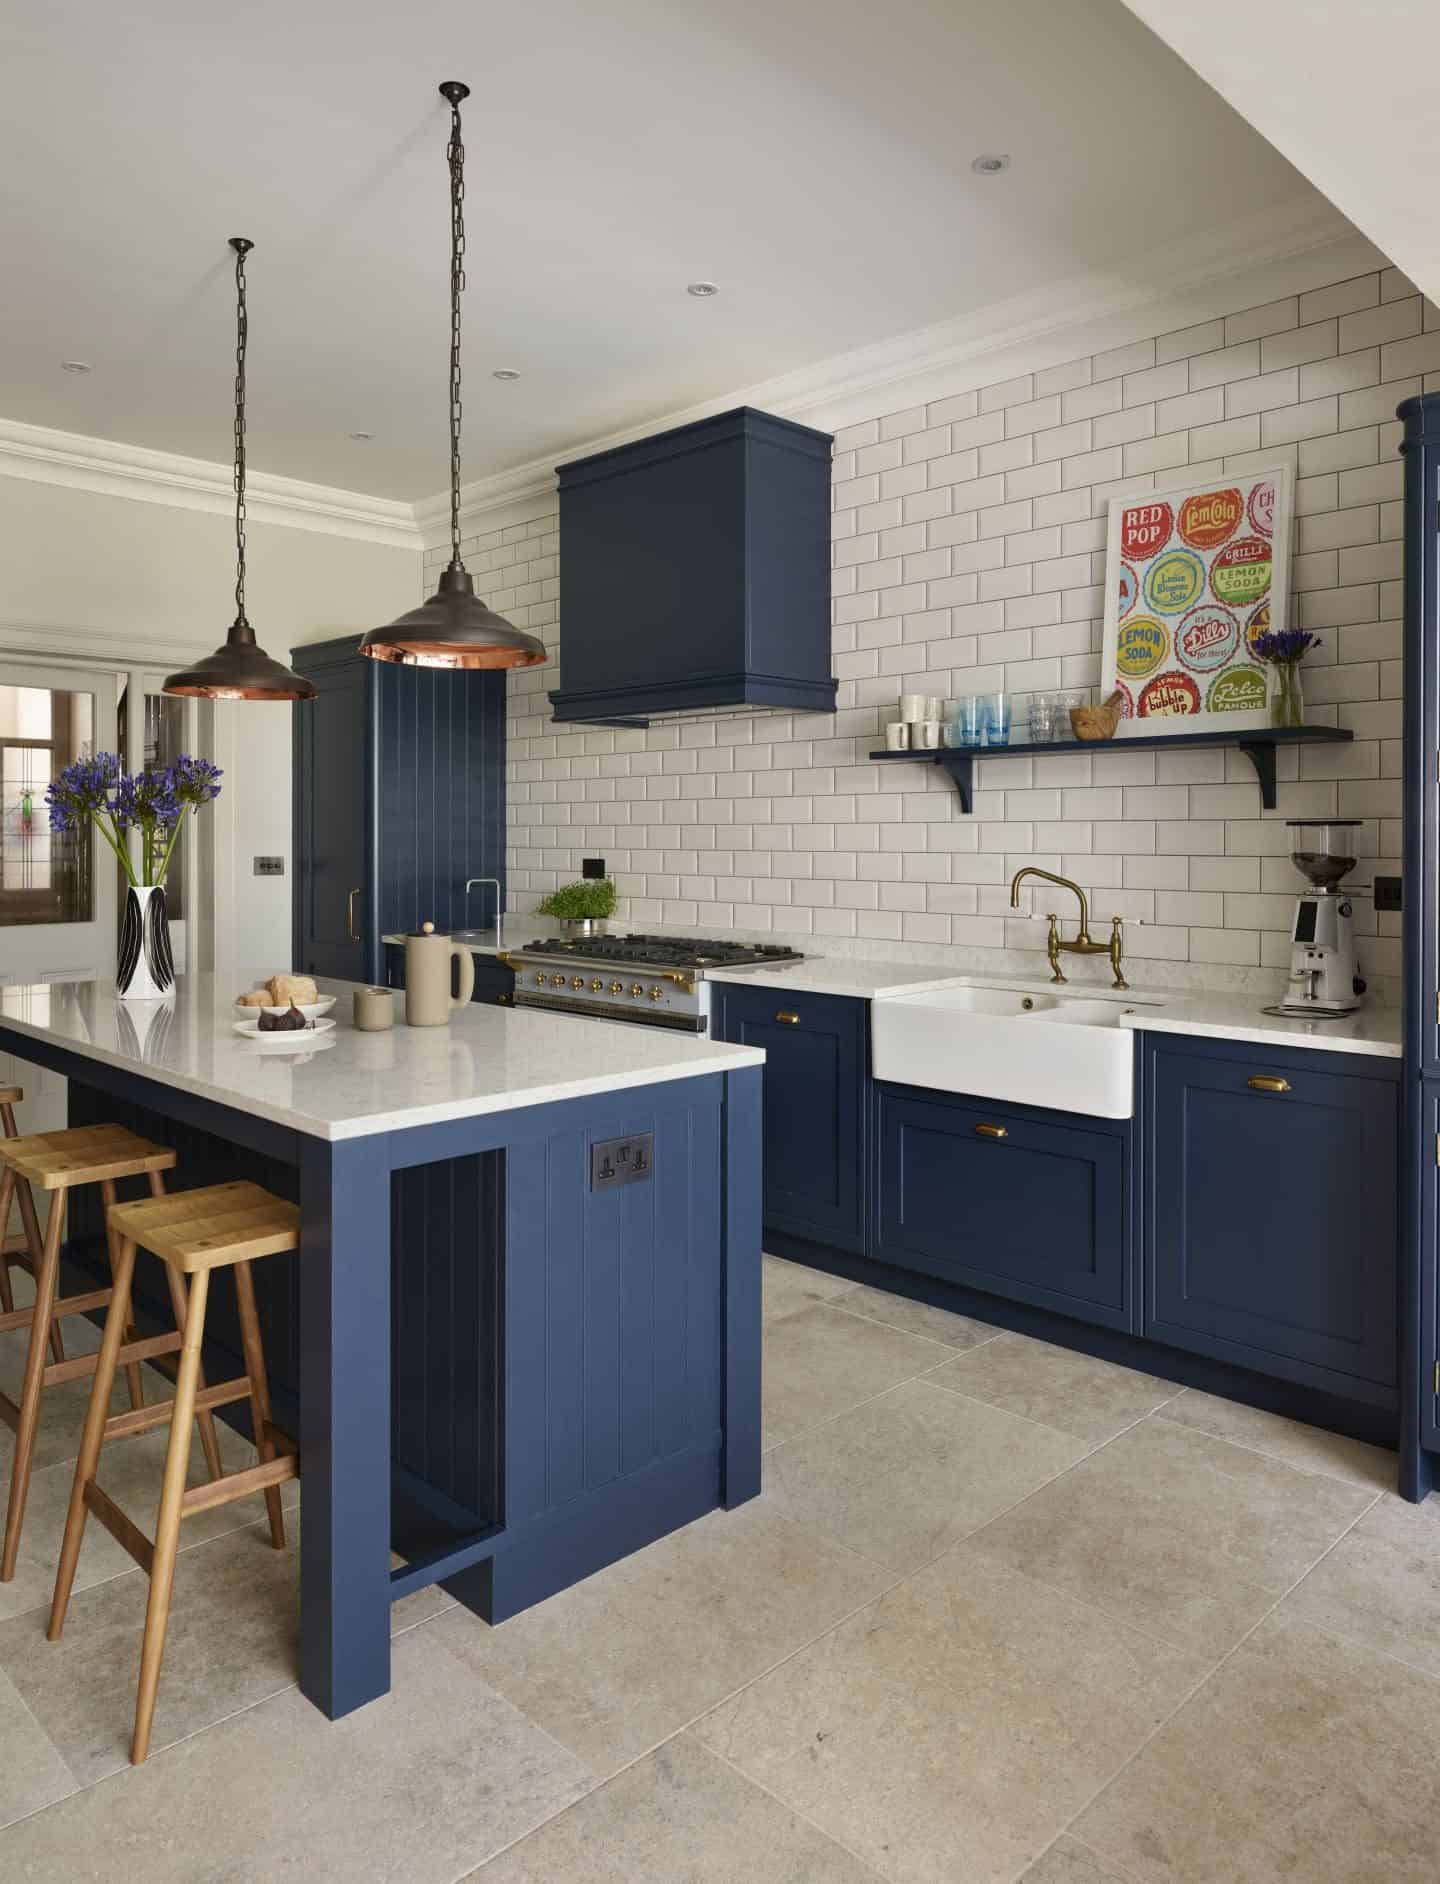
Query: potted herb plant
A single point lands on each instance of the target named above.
(581, 908)
(95, 791)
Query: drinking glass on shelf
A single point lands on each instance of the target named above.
(969, 720)
(1043, 726)
(1072, 697)
(996, 708)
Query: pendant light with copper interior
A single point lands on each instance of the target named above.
(240, 669)
(454, 628)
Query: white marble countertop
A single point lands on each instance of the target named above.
(1218, 1016)
(489, 1059)
(836, 974)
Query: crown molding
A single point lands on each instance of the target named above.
(110, 469)
(1285, 250)
(50, 646)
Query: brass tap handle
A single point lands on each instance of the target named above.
(1052, 949)
(1117, 953)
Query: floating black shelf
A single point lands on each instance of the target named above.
(1257, 743)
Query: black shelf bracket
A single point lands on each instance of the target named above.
(961, 767)
(1261, 754)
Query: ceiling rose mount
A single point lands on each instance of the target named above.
(240, 669)
(454, 628)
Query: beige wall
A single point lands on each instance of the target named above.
(133, 574)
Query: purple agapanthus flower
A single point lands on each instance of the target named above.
(1284, 644)
(147, 800)
(81, 790)
(195, 781)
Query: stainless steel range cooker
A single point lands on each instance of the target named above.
(652, 980)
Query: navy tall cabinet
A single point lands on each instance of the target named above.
(399, 798)
(1420, 1348)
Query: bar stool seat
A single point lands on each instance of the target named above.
(59, 1162)
(195, 1232)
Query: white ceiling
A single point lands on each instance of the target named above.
(1347, 92)
(811, 156)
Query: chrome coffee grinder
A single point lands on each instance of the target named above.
(1322, 979)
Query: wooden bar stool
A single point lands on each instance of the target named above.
(222, 1225)
(25, 1248)
(58, 1162)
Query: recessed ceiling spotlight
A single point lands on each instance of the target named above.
(362, 436)
(505, 372)
(76, 366)
(989, 165)
(702, 290)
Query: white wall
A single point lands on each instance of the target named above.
(130, 575)
(968, 555)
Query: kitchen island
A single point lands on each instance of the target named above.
(508, 1367)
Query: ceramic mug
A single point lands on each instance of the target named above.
(929, 731)
(897, 736)
(934, 710)
(374, 1010)
(912, 706)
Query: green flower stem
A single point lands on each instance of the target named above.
(106, 827)
(164, 870)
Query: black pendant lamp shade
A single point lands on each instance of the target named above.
(454, 628)
(240, 669)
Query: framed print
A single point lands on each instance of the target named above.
(1192, 575)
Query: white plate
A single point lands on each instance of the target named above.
(312, 1010)
(288, 1036)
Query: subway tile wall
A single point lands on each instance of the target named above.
(968, 556)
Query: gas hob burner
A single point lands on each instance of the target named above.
(660, 951)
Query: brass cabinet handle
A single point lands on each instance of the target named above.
(1267, 1082)
(787, 1018)
(992, 1131)
(350, 915)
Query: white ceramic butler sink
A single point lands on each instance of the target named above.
(1050, 1048)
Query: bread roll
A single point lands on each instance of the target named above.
(253, 997)
(292, 990)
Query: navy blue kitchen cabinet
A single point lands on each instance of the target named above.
(1270, 1210)
(1009, 1199)
(815, 1086)
(494, 983)
(399, 798)
(1426, 1336)
(695, 572)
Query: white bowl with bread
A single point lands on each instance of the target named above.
(282, 992)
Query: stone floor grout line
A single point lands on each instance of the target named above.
(875, 1321)
(805, 1432)
(1276, 1458)
(1205, 1679)
(884, 1877)
(1094, 1445)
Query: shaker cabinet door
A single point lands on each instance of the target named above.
(1271, 1213)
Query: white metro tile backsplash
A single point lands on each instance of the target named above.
(968, 556)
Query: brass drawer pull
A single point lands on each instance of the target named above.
(787, 1018)
(992, 1131)
(1267, 1082)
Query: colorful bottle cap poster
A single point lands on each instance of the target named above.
(1193, 574)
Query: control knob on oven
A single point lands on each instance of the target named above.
(637, 988)
(657, 994)
(577, 982)
(596, 986)
(617, 987)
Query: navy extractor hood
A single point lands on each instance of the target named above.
(695, 574)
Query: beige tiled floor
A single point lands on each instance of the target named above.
(1002, 1615)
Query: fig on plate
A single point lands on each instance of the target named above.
(292, 1021)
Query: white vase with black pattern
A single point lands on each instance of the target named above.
(145, 970)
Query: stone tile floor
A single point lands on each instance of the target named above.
(1001, 1613)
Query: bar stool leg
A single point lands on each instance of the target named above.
(209, 1440)
(28, 1423)
(167, 1526)
(133, 1378)
(93, 1436)
(25, 1197)
(259, 1393)
(7, 1192)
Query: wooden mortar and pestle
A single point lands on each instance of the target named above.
(1098, 722)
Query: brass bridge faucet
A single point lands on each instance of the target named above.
(1082, 945)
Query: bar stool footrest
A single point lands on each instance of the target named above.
(224, 1491)
(67, 1305)
(129, 1536)
(80, 1366)
(142, 1419)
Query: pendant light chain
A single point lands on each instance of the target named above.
(242, 336)
(455, 152)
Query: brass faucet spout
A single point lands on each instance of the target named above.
(1064, 883)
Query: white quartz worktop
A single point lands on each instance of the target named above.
(1370, 1029)
(833, 974)
(489, 1059)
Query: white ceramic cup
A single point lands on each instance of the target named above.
(934, 710)
(929, 731)
(897, 736)
(912, 707)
